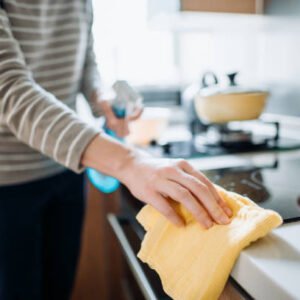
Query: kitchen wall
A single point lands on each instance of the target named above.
(266, 53)
(128, 48)
(281, 62)
(284, 8)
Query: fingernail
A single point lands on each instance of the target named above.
(208, 224)
(225, 219)
(228, 211)
(180, 223)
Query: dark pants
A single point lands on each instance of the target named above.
(40, 228)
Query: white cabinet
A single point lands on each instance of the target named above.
(190, 15)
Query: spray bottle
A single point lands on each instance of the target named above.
(126, 100)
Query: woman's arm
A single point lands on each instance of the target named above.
(40, 120)
(154, 181)
(34, 115)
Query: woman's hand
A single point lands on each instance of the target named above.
(154, 181)
(119, 126)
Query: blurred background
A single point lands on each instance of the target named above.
(156, 45)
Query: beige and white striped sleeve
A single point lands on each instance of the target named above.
(35, 116)
(91, 79)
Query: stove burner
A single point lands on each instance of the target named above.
(222, 140)
(236, 136)
(223, 136)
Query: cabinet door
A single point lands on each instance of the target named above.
(224, 6)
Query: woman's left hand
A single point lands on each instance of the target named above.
(119, 126)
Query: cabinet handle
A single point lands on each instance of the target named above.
(131, 259)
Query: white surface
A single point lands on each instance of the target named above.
(189, 21)
(270, 267)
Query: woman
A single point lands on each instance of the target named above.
(46, 59)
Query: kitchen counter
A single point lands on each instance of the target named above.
(270, 267)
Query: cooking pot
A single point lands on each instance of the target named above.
(214, 104)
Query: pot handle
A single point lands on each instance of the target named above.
(209, 75)
(232, 77)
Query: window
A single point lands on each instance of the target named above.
(127, 49)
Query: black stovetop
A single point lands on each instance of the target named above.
(190, 148)
(274, 187)
(220, 140)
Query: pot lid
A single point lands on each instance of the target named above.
(214, 89)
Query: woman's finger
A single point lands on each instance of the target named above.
(165, 208)
(111, 120)
(136, 114)
(201, 193)
(125, 127)
(122, 128)
(180, 194)
(107, 110)
(192, 171)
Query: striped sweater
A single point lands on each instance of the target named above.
(46, 59)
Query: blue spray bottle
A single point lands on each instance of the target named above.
(126, 99)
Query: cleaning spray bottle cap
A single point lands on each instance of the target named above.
(126, 96)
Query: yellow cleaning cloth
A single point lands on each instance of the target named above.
(194, 263)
